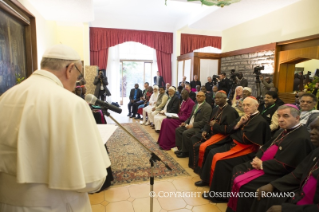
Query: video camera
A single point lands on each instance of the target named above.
(257, 70)
(215, 77)
(233, 75)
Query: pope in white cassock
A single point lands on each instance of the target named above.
(51, 152)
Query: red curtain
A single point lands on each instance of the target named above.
(103, 38)
(191, 42)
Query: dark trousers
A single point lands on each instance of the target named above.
(135, 106)
(130, 105)
(101, 94)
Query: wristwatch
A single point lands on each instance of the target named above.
(261, 166)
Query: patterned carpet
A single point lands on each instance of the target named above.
(130, 161)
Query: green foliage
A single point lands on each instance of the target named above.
(19, 79)
(312, 85)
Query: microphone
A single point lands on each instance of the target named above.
(91, 99)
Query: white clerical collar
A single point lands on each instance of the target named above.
(297, 125)
(49, 75)
(255, 113)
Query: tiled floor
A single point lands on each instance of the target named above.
(135, 197)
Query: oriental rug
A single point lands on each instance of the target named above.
(130, 161)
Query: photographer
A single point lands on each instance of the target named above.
(100, 90)
(267, 85)
(241, 81)
(224, 83)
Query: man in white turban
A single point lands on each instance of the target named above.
(172, 106)
(51, 152)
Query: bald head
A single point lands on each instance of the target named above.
(250, 105)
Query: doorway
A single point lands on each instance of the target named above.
(132, 72)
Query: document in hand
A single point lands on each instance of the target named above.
(171, 115)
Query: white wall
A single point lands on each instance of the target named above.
(50, 33)
(294, 21)
(208, 68)
(46, 34)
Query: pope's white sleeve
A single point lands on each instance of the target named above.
(93, 187)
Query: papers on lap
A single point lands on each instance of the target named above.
(106, 130)
(171, 115)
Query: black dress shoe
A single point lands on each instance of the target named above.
(201, 183)
(138, 116)
(129, 114)
(182, 155)
(158, 131)
(132, 116)
(178, 152)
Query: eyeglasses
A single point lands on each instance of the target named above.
(81, 75)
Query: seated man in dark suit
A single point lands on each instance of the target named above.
(135, 96)
(158, 80)
(199, 117)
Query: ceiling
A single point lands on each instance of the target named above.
(154, 15)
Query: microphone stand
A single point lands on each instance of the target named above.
(153, 159)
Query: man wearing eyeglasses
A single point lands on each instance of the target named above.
(308, 113)
(51, 151)
(196, 121)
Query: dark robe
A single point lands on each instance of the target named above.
(194, 83)
(224, 117)
(294, 182)
(279, 102)
(209, 99)
(192, 95)
(267, 112)
(220, 161)
(292, 147)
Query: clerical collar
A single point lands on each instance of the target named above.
(254, 113)
(223, 106)
(294, 127)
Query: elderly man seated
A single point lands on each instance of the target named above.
(301, 185)
(153, 110)
(172, 106)
(248, 133)
(278, 157)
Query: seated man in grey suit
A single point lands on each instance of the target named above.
(199, 117)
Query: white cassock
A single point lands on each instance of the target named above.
(51, 152)
(148, 109)
(158, 119)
